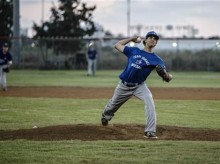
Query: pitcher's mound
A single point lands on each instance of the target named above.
(111, 132)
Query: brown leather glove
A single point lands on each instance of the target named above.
(163, 73)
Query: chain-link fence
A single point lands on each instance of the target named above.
(179, 54)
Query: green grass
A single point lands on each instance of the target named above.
(16, 113)
(27, 112)
(112, 152)
(107, 79)
(61, 78)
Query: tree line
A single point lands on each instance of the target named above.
(71, 18)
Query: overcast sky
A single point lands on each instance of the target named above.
(203, 15)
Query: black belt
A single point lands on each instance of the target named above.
(130, 84)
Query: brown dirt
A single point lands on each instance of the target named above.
(93, 93)
(113, 131)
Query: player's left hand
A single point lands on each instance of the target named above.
(167, 77)
(163, 73)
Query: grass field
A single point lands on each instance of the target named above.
(27, 112)
(20, 112)
(108, 79)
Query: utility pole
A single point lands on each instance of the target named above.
(16, 33)
(128, 18)
(42, 10)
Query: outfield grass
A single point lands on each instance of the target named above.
(27, 112)
(109, 152)
(16, 113)
(107, 79)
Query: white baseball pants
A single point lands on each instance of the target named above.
(3, 80)
(91, 66)
(123, 93)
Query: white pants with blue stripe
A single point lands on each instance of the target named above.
(122, 93)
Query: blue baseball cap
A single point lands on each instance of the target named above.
(5, 45)
(152, 33)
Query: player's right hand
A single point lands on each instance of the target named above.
(137, 39)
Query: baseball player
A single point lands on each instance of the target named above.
(91, 58)
(141, 62)
(5, 63)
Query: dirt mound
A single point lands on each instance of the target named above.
(112, 132)
(93, 93)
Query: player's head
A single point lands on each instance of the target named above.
(151, 35)
(5, 47)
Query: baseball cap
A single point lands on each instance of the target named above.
(5, 45)
(152, 33)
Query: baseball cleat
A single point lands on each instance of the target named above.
(150, 135)
(104, 120)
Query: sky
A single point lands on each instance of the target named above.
(202, 16)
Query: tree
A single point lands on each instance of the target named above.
(6, 17)
(72, 19)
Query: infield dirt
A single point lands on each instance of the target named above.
(99, 93)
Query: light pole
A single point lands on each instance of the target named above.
(42, 12)
(128, 18)
(174, 45)
(16, 33)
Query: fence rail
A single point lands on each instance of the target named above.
(178, 53)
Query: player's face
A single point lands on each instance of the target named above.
(151, 41)
(5, 49)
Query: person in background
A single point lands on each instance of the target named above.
(91, 58)
(5, 64)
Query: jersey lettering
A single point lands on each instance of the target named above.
(143, 58)
(135, 66)
(136, 56)
(146, 61)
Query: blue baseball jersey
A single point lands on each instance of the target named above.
(5, 58)
(140, 64)
(92, 54)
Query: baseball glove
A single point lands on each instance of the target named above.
(163, 73)
(6, 70)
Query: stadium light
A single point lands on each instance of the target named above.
(174, 44)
